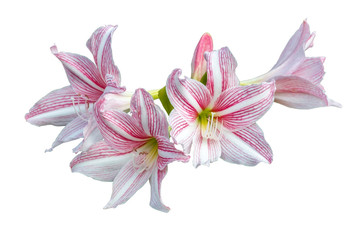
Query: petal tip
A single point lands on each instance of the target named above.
(334, 103)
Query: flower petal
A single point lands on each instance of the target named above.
(189, 97)
(155, 183)
(151, 118)
(294, 50)
(299, 93)
(83, 75)
(242, 106)
(100, 162)
(126, 183)
(100, 46)
(181, 131)
(72, 131)
(58, 108)
(92, 135)
(221, 66)
(119, 130)
(198, 64)
(311, 69)
(167, 153)
(247, 146)
(204, 150)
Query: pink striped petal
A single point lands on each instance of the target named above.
(198, 64)
(181, 131)
(311, 69)
(100, 162)
(127, 182)
(241, 106)
(100, 46)
(299, 93)
(58, 108)
(72, 131)
(151, 118)
(82, 74)
(205, 150)
(167, 153)
(247, 146)
(155, 183)
(221, 66)
(119, 130)
(189, 97)
(294, 50)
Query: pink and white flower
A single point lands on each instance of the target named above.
(218, 120)
(71, 106)
(135, 149)
(298, 77)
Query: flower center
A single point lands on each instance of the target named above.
(146, 155)
(210, 126)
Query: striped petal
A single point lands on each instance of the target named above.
(58, 108)
(72, 131)
(296, 92)
(119, 129)
(189, 97)
(205, 150)
(181, 131)
(151, 118)
(126, 183)
(82, 74)
(100, 46)
(198, 64)
(247, 146)
(241, 106)
(100, 162)
(221, 66)
(167, 153)
(155, 183)
(311, 69)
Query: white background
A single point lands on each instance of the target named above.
(311, 191)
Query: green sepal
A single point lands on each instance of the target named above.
(203, 79)
(165, 100)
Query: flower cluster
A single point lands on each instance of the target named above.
(128, 139)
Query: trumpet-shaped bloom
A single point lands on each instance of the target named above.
(71, 106)
(135, 149)
(298, 77)
(218, 120)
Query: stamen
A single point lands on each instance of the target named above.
(77, 111)
(213, 128)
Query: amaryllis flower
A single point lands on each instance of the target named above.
(135, 149)
(218, 120)
(72, 104)
(298, 77)
(198, 63)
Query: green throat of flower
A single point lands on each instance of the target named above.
(210, 126)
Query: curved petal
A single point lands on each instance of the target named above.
(181, 131)
(167, 153)
(198, 64)
(189, 97)
(58, 108)
(294, 50)
(92, 135)
(100, 162)
(72, 131)
(204, 150)
(155, 183)
(126, 183)
(83, 75)
(100, 46)
(247, 146)
(151, 118)
(299, 93)
(119, 129)
(242, 106)
(311, 69)
(221, 66)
